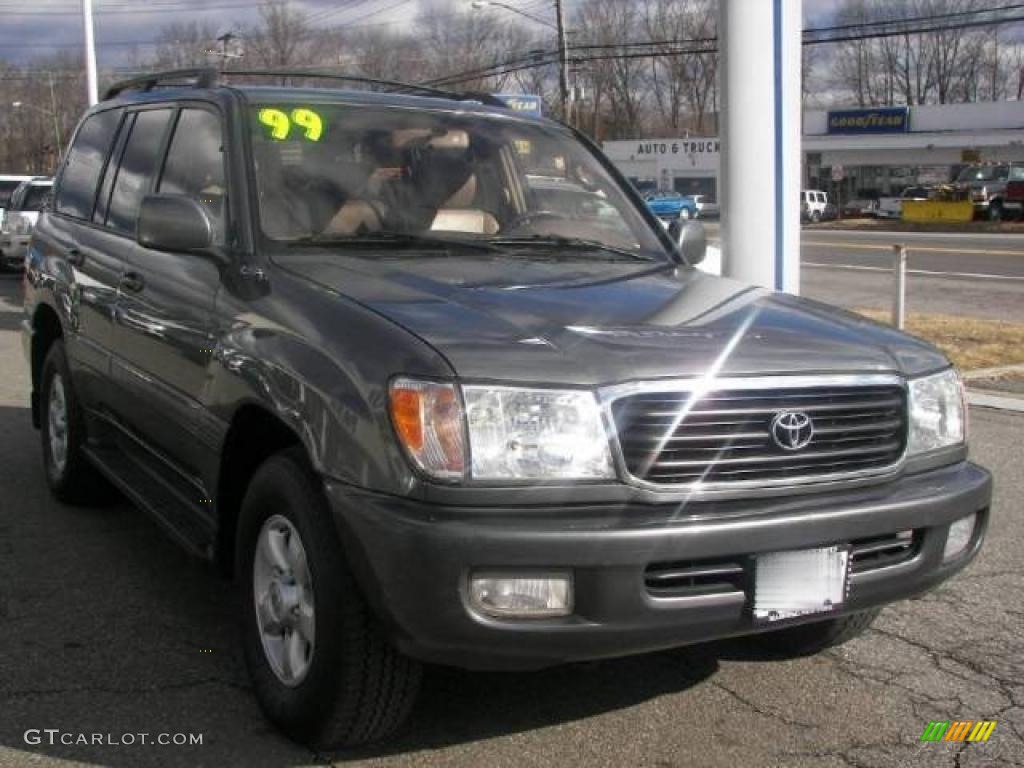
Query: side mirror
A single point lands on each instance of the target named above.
(690, 238)
(173, 223)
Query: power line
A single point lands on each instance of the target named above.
(522, 63)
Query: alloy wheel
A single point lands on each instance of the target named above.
(283, 594)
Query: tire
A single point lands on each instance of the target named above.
(809, 639)
(70, 475)
(815, 217)
(347, 686)
(995, 210)
(684, 214)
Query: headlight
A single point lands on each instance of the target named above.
(535, 434)
(936, 412)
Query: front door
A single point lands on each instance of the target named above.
(165, 311)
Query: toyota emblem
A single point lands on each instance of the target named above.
(792, 430)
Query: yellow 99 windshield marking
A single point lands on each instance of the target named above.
(277, 121)
(280, 124)
(309, 120)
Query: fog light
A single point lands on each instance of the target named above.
(529, 596)
(959, 537)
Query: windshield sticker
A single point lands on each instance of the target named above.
(308, 123)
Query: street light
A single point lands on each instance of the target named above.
(479, 4)
(559, 27)
(48, 113)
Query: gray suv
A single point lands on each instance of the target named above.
(350, 347)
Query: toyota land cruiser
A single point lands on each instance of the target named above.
(349, 346)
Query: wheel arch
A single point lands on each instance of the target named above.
(46, 329)
(254, 435)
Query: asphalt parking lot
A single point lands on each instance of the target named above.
(109, 628)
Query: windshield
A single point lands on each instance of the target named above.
(353, 174)
(983, 173)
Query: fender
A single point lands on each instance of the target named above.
(323, 372)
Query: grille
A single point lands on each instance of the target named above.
(726, 435)
(693, 578)
(882, 551)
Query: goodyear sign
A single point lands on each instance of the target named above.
(528, 104)
(880, 120)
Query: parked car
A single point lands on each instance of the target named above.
(813, 204)
(985, 186)
(892, 207)
(707, 208)
(331, 342)
(8, 183)
(859, 208)
(671, 205)
(1013, 201)
(20, 217)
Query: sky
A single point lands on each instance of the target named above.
(30, 28)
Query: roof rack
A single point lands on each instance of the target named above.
(208, 77)
(200, 78)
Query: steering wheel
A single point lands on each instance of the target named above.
(531, 217)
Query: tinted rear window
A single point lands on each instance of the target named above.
(77, 190)
(137, 168)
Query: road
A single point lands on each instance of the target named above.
(108, 628)
(980, 275)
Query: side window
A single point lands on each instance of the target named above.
(137, 168)
(195, 165)
(85, 161)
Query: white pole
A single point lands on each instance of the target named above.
(760, 131)
(90, 53)
(899, 298)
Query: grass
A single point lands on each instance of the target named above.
(969, 342)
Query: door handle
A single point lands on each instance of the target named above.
(132, 282)
(75, 257)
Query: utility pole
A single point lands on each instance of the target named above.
(90, 53)
(563, 63)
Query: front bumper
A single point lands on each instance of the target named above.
(413, 561)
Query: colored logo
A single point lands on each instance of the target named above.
(792, 430)
(958, 730)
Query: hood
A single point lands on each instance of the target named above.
(594, 323)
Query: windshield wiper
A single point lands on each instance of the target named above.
(386, 240)
(572, 243)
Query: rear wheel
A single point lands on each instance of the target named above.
(321, 668)
(72, 479)
(808, 639)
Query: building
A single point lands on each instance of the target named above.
(854, 152)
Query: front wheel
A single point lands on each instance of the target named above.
(321, 668)
(995, 210)
(808, 639)
(815, 217)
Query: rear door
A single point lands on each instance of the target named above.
(166, 306)
(86, 273)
